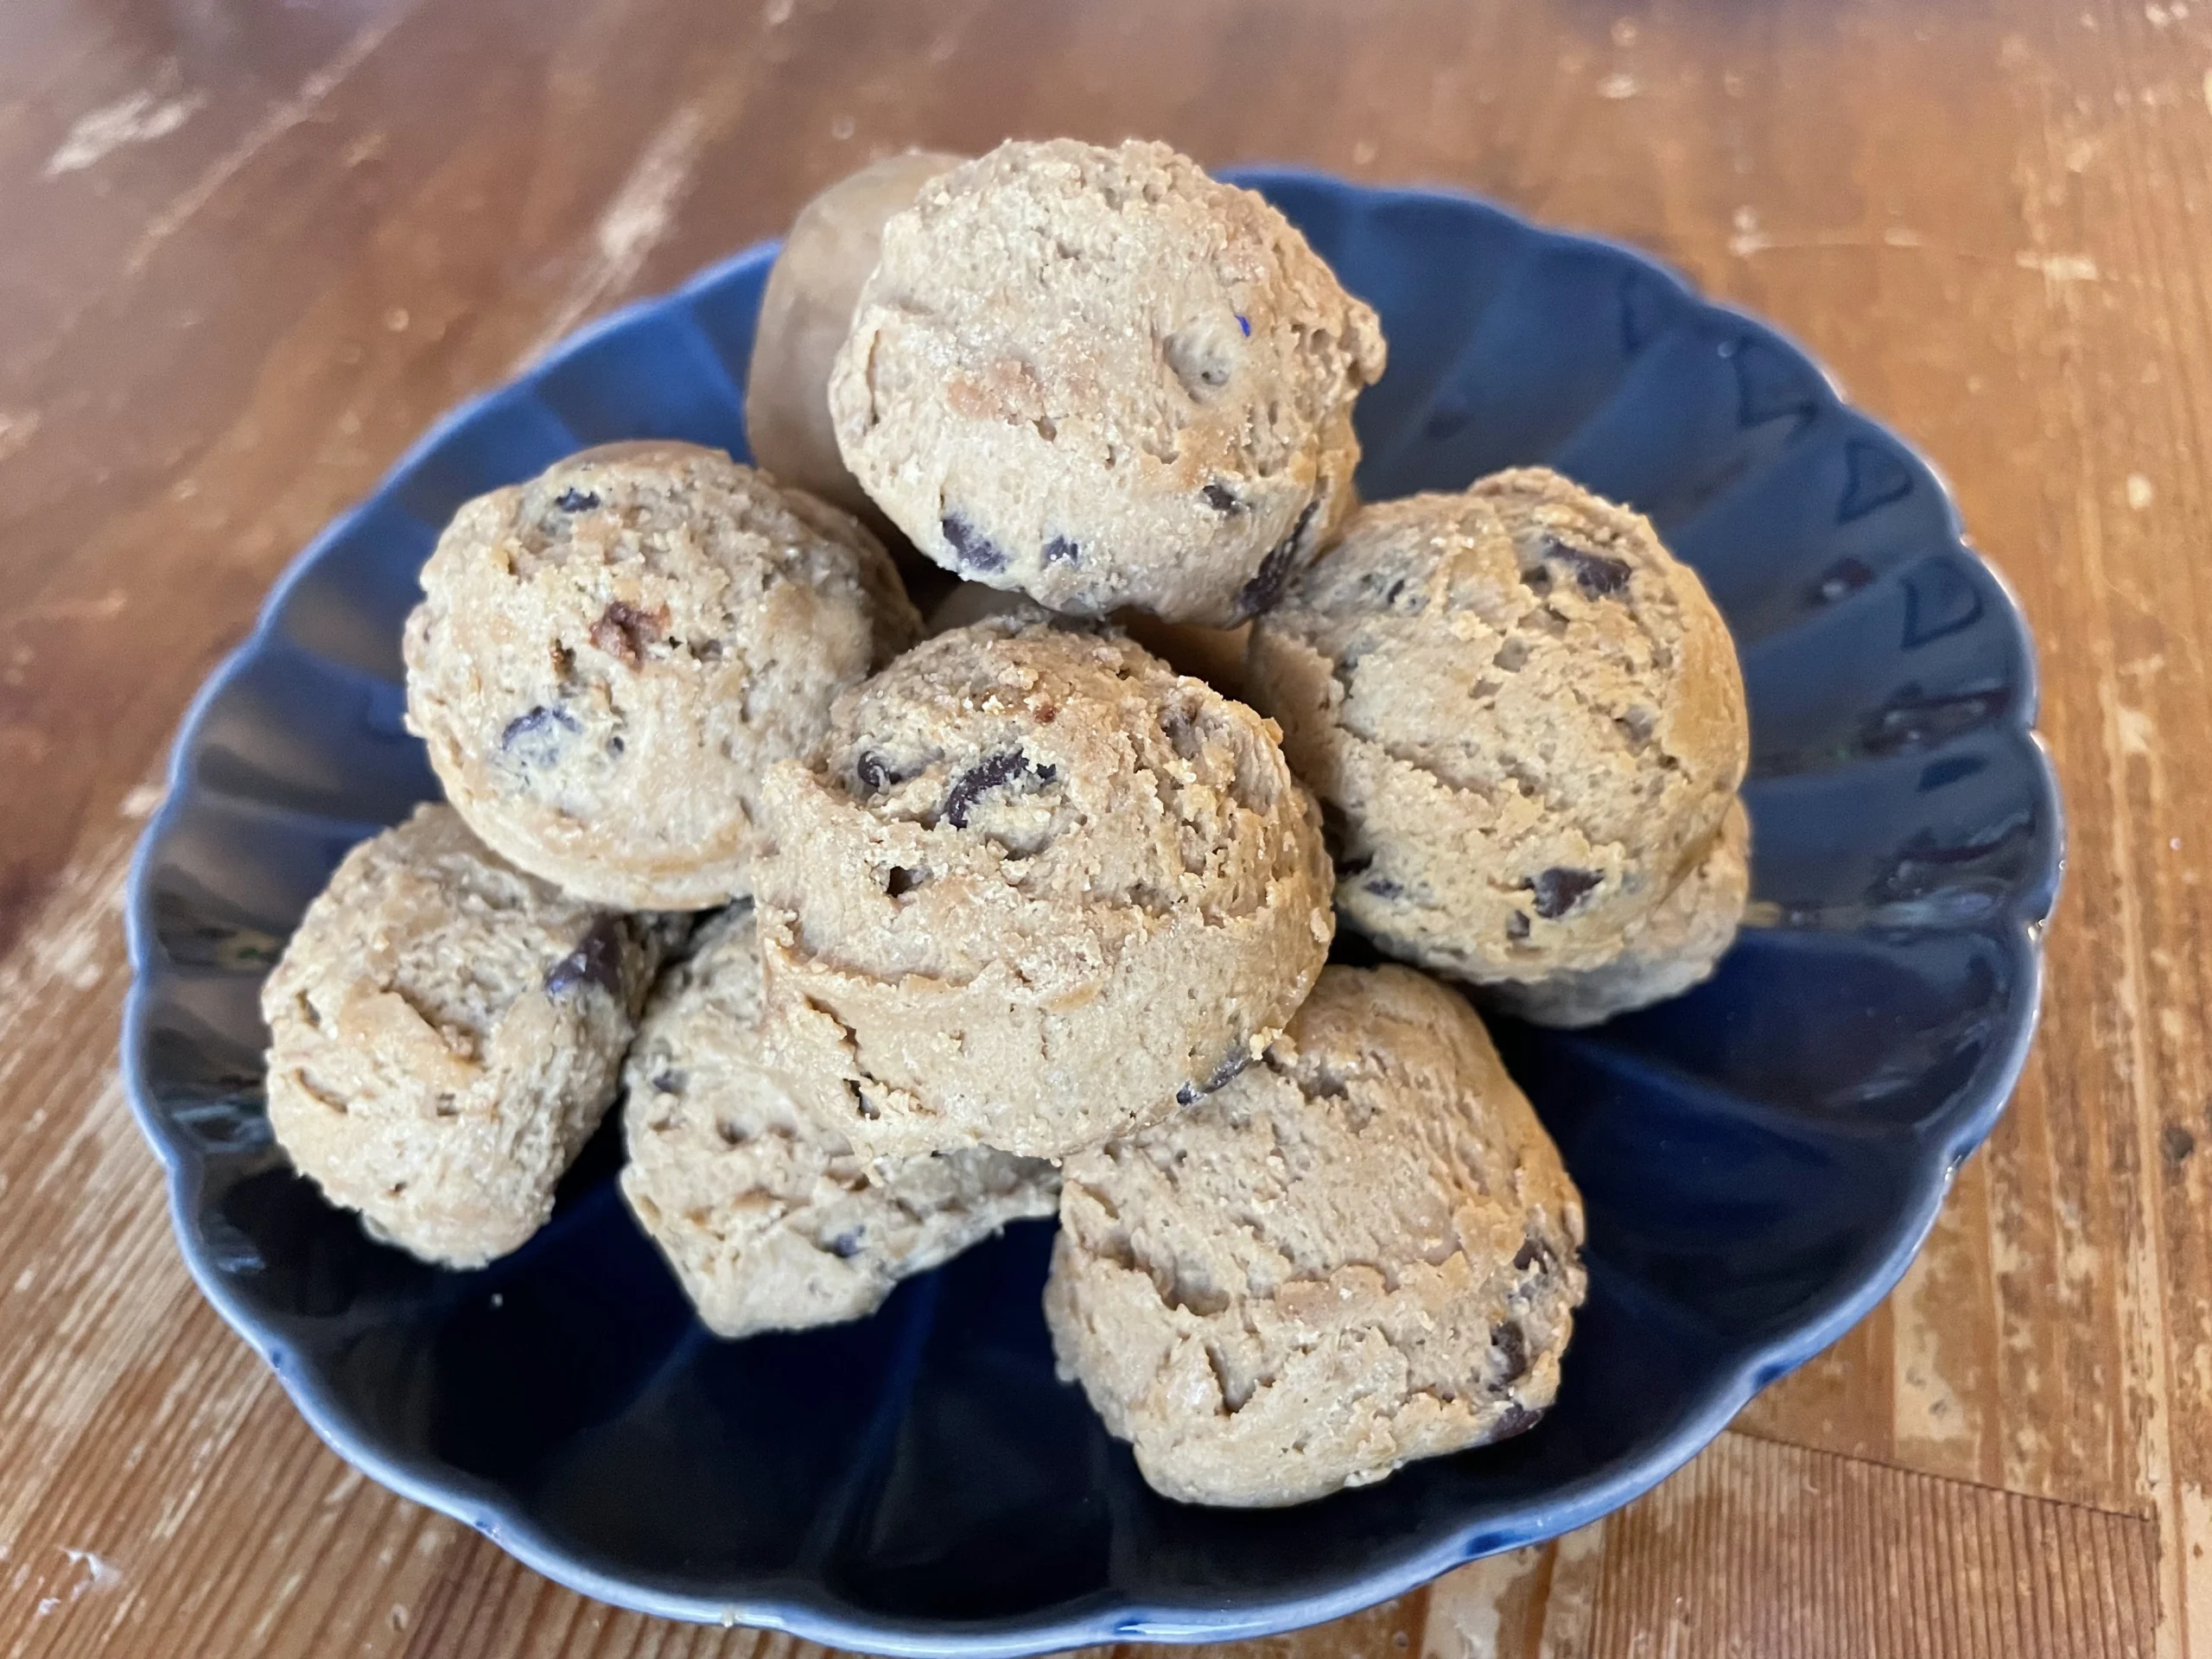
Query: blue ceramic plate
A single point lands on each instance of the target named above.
(1760, 1159)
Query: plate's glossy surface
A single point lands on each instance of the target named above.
(1760, 1158)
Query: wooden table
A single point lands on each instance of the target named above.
(251, 250)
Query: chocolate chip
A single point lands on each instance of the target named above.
(845, 1244)
(901, 881)
(1274, 574)
(1236, 1061)
(1516, 926)
(1535, 1253)
(995, 772)
(1383, 888)
(623, 631)
(973, 549)
(875, 774)
(1220, 500)
(1512, 1344)
(575, 501)
(538, 734)
(1517, 1419)
(1558, 890)
(1060, 550)
(597, 960)
(1600, 577)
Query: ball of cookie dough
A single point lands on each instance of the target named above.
(1526, 722)
(806, 309)
(1102, 377)
(606, 658)
(445, 1032)
(1361, 1252)
(1038, 890)
(767, 1216)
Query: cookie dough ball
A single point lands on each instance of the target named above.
(608, 657)
(1526, 721)
(806, 311)
(1038, 890)
(767, 1216)
(1359, 1252)
(1101, 378)
(444, 1034)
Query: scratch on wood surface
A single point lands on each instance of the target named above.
(140, 118)
(2142, 1271)
(1482, 1609)
(61, 947)
(1570, 1605)
(17, 428)
(636, 220)
(272, 126)
(2059, 268)
(1936, 1399)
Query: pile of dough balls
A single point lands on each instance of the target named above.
(886, 936)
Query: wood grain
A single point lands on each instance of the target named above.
(255, 249)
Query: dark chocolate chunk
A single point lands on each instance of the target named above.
(1600, 577)
(1518, 1420)
(1383, 888)
(540, 719)
(973, 549)
(1516, 926)
(1558, 890)
(597, 960)
(1061, 550)
(1512, 1344)
(902, 881)
(875, 774)
(623, 631)
(1221, 499)
(1236, 1061)
(575, 501)
(1274, 574)
(994, 772)
(536, 739)
(847, 1244)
